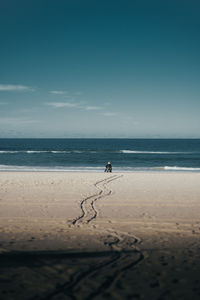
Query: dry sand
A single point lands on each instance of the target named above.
(99, 236)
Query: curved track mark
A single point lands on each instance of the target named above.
(87, 207)
(123, 254)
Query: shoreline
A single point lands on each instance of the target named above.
(158, 170)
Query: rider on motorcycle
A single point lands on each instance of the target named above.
(108, 167)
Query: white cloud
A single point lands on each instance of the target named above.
(12, 87)
(63, 104)
(109, 114)
(80, 105)
(15, 121)
(58, 92)
(93, 108)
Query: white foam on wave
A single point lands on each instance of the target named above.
(53, 151)
(4, 151)
(87, 151)
(33, 151)
(22, 151)
(43, 151)
(148, 152)
(38, 151)
(175, 168)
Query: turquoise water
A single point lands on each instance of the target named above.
(92, 154)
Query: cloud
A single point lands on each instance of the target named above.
(3, 103)
(58, 92)
(109, 114)
(63, 104)
(93, 108)
(76, 105)
(12, 87)
(16, 121)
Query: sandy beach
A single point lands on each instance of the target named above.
(98, 236)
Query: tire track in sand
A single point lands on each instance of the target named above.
(123, 254)
(87, 205)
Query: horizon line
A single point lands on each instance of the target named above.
(113, 138)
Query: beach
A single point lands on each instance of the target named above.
(87, 235)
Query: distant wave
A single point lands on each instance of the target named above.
(2, 151)
(89, 151)
(53, 151)
(148, 152)
(181, 168)
(21, 151)
(39, 151)
(32, 151)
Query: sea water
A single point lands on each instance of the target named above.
(126, 155)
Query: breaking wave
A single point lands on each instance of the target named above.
(149, 152)
(88, 151)
(180, 168)
(39, 151)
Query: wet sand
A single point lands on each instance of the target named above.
(99, 236)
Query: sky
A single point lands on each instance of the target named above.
(96, 68)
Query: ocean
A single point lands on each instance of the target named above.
(126, 155)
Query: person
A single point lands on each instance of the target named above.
(108, 167)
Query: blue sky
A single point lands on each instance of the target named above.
(74, 68)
